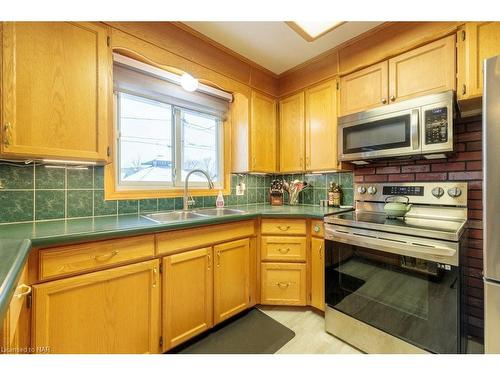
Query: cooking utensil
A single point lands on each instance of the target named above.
(396, 209)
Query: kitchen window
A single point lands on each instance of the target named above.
(163, 131)
(159, 143)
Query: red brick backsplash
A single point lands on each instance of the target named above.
(464, 165)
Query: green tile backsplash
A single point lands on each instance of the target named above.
(35, 193)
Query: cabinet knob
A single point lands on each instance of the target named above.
(392, 98)
(384, 101)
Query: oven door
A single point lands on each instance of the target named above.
(413, 299)
(393, 134)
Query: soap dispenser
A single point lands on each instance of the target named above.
(219, 203)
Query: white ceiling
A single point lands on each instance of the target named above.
(274, 45)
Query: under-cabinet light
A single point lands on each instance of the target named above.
(69, 162)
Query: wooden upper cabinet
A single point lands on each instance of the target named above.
(321, 127)
(55, 90)
(115, 311)
(231, 278)
(364, 89)
(187, 295)
(476, 41)
(263, 133)
(292, 134)
(425, 70)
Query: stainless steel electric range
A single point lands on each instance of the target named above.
(393, 285)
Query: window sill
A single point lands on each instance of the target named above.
(171, 193)
(111, 193)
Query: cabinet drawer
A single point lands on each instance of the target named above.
(283, 284)
(95, 255)
(280, 226)
(283, 248)
(317, 229)
(176, 241)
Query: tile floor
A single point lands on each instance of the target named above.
(310, 336)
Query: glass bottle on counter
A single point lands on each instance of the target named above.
(337, 195)
(331, 194)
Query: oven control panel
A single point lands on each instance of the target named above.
(403, 190)
(437, 193)
(436, 125)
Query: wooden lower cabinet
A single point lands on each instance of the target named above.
(318, 273)
(187, 295)
(110, 311)
(15, 328)
(231, 278)
(283, 284)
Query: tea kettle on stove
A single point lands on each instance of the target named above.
(396, 209)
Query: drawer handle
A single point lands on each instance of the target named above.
(284, 251)
(282, 284)
(209, 260)
(27, 290)
(104, 257)
(320, 252)
(283, 229)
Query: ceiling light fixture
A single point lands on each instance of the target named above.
(312, 30)
(189, 83)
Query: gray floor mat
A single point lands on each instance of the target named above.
(251, 333)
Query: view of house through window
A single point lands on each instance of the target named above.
(159, 143)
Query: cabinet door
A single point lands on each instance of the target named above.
(292, 133)
(321, 127)
(187, 295)
(430, 68)
(283, 284)
(111, 311)
(231, 279)
(476, 41)
(364, 89)
(263, 133)
(317, 273)
(55, 90)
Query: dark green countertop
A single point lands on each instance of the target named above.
(13, 256)
(16, 240)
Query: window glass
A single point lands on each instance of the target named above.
(200, 144)
(157, 139)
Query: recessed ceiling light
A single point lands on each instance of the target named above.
(312, 30)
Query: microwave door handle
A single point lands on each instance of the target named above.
(414, 128)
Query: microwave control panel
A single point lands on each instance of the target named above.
(436, 125)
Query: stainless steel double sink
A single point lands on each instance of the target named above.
(168, 217)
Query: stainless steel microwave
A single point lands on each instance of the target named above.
(420, 126)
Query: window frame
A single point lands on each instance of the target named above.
(177, 136)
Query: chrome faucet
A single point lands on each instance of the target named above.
(187, 202)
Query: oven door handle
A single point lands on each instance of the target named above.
(388, 244)
(414, 128)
